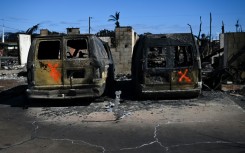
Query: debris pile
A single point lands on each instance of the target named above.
(12, 78)
(223, 62)
(113, 106)
(10, 63)
(123, 77)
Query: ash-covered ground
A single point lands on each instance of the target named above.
(213, 122)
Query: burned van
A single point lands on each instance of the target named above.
(68, 66)
(166, 65)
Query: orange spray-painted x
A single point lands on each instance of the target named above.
(183, 76)
(54, 73)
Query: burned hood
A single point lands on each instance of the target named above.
(170, 39)
(98, 53)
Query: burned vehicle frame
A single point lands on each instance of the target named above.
(68, 66)
(167, 66)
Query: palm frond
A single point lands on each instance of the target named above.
(117, 15)
(111, 20)
(32, 29)
(112, 16)
(115, 18)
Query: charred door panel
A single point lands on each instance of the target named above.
(183, 79)
(77, 72)
(77, 64)
(48, 72)
(48, 65)
(183, 76)
(157, 76)
(157, 79)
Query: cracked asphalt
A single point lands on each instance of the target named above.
(212, 123)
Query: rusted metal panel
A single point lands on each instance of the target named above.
(184, 79)
(48, 73)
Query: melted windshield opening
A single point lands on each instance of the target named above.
(77, 48)
(169, 56)
(49, 50)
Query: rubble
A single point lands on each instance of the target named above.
(231, 87)
(9, 63)
(113, 106)
(11, 79)
(123, 77)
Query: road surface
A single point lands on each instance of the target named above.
(212, 123)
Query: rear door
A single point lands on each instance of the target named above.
(77, 68)
(184, 74)
(48, 63)
(170, 67)
(157, 67)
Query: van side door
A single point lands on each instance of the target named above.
(48, 63)
(77, 68)
(184, 74)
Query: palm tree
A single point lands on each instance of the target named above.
(237, 25)
(115, 18)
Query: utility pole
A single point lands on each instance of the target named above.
(210, 36)
(3, 32)
(89, 27)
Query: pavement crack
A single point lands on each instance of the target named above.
(34, 136)
(72, 141)
(16, 144)
(207, 142)
(34, 132)
(150, 143)
(24, 141)
(167, 148)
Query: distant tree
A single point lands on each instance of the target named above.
(105, 33)
(11, 37)
(53, 33)
(205, 37)
(190, 28)
(223, 27)
(32, 29)
(200, 28)
(238, 26)
(115, 18)
(147, 33)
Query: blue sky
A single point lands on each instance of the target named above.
(155, 16)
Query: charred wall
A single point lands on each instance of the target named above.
(122, 48)
(122, 54)
(234, 49)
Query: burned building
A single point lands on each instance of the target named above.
(228, 62)
(234, 49)
(122, 48)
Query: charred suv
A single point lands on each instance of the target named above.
(68, 66)
(166, 65)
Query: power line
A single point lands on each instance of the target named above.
(10, 28)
